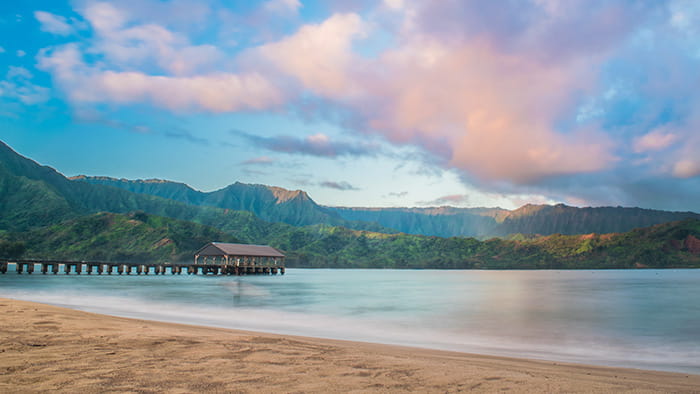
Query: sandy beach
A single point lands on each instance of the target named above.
(50, 349)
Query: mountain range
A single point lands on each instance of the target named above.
(43, 214)
(297, 208)
(269, 203)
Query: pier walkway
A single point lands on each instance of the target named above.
(90, 267)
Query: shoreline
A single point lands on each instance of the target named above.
(50, 348)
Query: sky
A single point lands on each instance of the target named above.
(365, 103)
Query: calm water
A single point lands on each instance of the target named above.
(644, 318)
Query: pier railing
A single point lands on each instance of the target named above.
(99, 267)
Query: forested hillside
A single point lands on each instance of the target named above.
(45, 215)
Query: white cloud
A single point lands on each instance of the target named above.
(218, 92)
(18, 86)
(183, 15)
(144, 45)
(190, 78)
(54, 24)
(104, 16)
(21, 53)
(2, 50)
(18, 73)
(394, 4)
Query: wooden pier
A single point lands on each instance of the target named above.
(109, 268)
(214, 258)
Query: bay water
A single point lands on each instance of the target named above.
(647, 319)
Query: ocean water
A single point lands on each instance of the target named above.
(647, 319)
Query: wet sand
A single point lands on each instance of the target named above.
(50, 349)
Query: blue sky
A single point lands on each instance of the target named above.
(382, 103)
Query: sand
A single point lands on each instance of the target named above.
(50, 349)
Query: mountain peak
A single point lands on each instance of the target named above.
(529, 209)
(280, 194)
(283, 195)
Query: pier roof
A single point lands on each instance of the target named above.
(223, 249)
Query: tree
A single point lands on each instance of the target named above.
(11, 249)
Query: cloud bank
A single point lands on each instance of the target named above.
(560, 99)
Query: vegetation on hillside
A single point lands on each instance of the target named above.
(278, 205)
(272, 204)
(667, 245)
(45, 215)
(136, 237)
(142, 237)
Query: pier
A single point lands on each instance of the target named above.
(109, 268)
(214, 258)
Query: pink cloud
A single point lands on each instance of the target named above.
(494, 111)
(319, 56)
(552, 30)
(215, 92)
(686, 168)
(485, 108)
(654, 140)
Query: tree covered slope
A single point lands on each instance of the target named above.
(45, 215)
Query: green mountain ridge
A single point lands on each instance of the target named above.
(45, 215)
(297, 208)
(270, 203)
(23, 208)
(528, 219)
